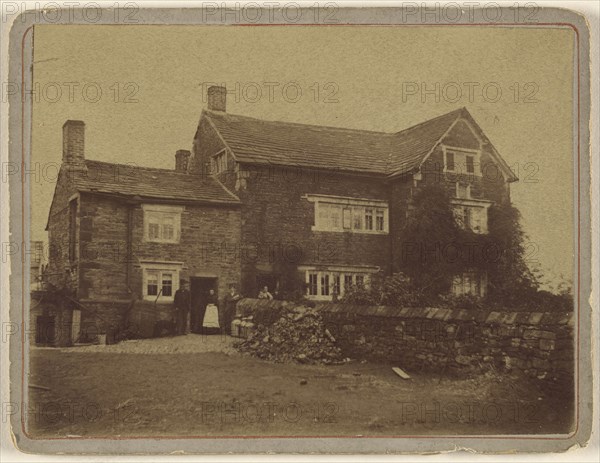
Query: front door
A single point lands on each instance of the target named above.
(199, 288)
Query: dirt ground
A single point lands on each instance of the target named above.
(200, 386)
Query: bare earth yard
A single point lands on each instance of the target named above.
(200, 386)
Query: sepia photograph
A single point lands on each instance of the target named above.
(312, 229)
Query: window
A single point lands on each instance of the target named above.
(338, 214)
(471, 214)
(312, 284)
(162, 224)
(449, 160)
(470, 164)
(323, 284)
(469, 283)
(358, 219)
(160, 281)
(461, 161)
(379, 220)
(336, 284)
(368, 219)
(219, 162)
(152, 283)
(348, 281)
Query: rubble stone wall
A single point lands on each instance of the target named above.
(539, 344)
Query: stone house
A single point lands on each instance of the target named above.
(326, 206)
(258, 203)
(122, 237)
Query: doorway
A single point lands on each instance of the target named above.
(199, 290)
(269, 280)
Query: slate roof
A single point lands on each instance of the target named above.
(258, 142)
(147, 182)
(283, 143)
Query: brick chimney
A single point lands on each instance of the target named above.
(182, 160)
(73, 142)
(217, 98)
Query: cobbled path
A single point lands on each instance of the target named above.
(189, 344)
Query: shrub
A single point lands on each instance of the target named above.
(396, 289)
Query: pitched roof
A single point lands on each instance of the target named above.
(258, 141)
(412, 145)
(283, 143)
(148, 182)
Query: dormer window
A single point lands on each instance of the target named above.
(219, 162)
(461, 161)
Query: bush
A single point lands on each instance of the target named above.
(396, 289)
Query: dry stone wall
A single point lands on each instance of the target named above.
(538, 344)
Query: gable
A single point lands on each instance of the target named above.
(461, 135)
(465, 133)
(63, 190)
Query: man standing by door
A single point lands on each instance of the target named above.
(183, 303)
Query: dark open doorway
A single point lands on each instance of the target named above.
(269, 280)
(199, 289)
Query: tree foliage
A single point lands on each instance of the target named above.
(435, 249)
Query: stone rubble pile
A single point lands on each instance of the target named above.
(298, 335)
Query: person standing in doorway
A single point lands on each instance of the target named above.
(265, 294)
(210, 322)
(182, 302)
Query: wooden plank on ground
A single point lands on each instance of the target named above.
(400, 372)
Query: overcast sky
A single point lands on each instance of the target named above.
(151, 79)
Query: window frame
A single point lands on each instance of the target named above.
(462, 284)
(459, 162)
(479, 205)
(336, 278)
(219, 161)
(160, 269)
(156, 210)
(352, 211)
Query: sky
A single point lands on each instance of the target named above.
(140, 91)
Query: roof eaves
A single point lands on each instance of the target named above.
(174, 199)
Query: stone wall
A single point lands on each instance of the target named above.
(277, 220)
(449, 340)
(61, 272)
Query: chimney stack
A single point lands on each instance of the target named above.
(73, 142)
(182, 160)
(217, 98)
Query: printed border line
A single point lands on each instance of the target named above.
(501, 437)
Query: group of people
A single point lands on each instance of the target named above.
(207, 317)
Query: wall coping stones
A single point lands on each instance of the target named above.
(430, 313)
